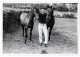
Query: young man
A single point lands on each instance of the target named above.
(42, 27)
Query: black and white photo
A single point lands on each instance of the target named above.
(40, 28)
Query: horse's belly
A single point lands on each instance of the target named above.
(25, 21)
(30, 24)
(50, 23)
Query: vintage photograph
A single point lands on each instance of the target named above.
(40, 28)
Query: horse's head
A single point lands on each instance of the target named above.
(36, 12)
(49, 13)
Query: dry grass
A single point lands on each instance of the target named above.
(63, 40)
(63, 37)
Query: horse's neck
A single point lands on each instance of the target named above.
(31, 15)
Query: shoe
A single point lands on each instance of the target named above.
(46, 45)
(40, 44)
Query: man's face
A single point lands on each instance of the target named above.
(42, 11)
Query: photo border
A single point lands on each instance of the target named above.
(38, 1)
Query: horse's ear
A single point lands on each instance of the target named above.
(51, 7)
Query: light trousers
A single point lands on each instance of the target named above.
(42, 28)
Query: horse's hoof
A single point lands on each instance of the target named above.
(48, 40)
(40, 44)
(25, 43)
(30, 40)
(25, 40)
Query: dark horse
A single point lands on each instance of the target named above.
(27, 21)
(50, 21)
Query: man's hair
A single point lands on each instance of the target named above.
(42, 8)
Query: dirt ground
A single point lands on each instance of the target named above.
(63, 40)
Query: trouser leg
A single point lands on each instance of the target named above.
(40, 32)
(45, 31)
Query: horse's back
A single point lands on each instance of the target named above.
(24, 18)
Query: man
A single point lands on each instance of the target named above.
(42, 27)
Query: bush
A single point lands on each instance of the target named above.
(65, 16)
(61, 8)
(58, 15)
(68, 16)
(11, 21)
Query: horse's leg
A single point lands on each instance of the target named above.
(23, 30)
(26, 34)
(31, 33)
(50, 32)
